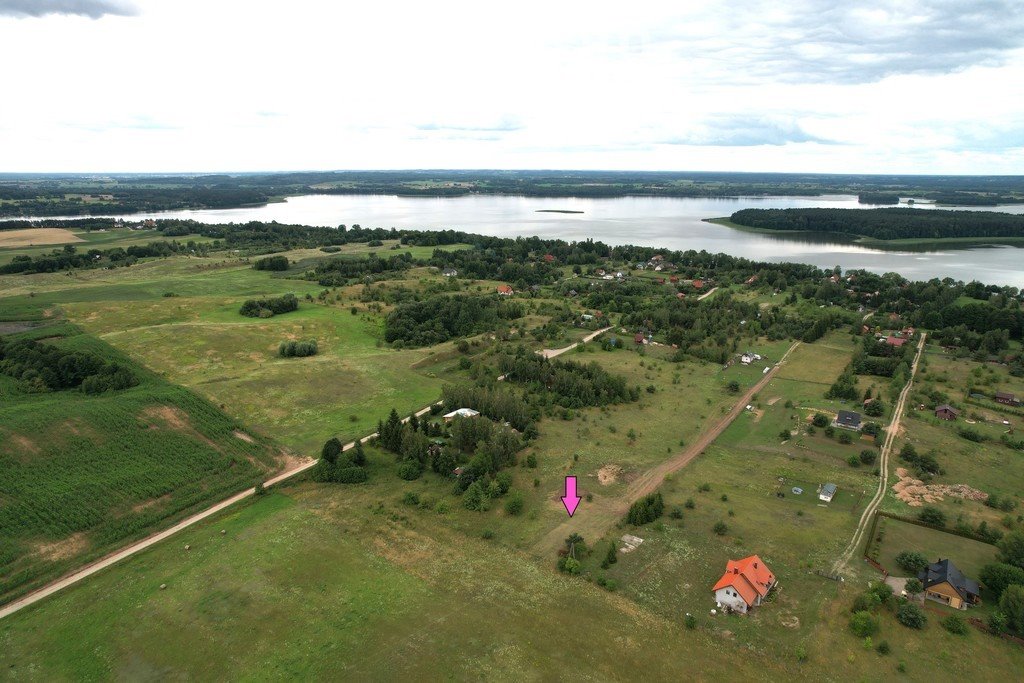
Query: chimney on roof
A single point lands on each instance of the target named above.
(755, 565)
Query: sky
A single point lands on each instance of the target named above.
(896, 86)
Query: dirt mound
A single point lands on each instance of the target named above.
(609, 474)
(916, 493)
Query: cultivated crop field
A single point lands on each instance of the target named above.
(81, 474)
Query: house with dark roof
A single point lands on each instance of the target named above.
(944, 583)
(1006, 398)
(847, 419)
(744, 585)
(947, 412)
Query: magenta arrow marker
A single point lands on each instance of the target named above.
(570, 500)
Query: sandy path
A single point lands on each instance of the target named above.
(593, 521)
(883, 479)
(708, 293)
(551, 353)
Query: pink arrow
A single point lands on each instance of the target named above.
(570, 500)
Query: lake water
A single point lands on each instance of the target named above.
(675, 223)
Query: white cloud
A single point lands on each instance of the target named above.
(886, 86)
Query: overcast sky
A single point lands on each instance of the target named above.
(225, 85)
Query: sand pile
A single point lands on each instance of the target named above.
(916, 493)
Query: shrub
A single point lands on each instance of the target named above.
(845, 438)
(690, 621)
(410, 470)
(689, 504)
(514, 504)
(350, 475)
(531, 461)
(474, 498)
(853, 461)
(955, 624)
(487, 534)
(297, 349)
(932, 515)
(266, 308)
(820, 420)
(703, 488)
(647, 509)
(997, 576)
(911, 616)
(784, 434)
(863, 624)
(911, 561)
(411, 498)
(914, 586)
(676, 513)
(720, 528)
(883, 648)
(868, 456)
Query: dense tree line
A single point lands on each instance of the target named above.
(569, 384)
(45, 367)
(278, 263)
(886, 224)
(267, 308)
(69, 257)
(341, 271)
(339, 465)
(440, 318)
(497, 404)
(297, 349)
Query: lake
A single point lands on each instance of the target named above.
(675, 223)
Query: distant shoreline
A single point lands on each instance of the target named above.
(557, 211)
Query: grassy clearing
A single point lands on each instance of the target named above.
(82, 474)
(967, 554)
(36, 243)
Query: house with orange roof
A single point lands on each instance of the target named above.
(744, 585)
(505, 290)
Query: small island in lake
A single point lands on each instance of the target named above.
(557, 211)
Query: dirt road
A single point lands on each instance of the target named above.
(883, 479)
(706, 294)
(551, 353)
(592, 520)
(137, 547)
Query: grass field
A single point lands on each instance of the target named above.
(967, 554)
(37, 241)
(82, 474)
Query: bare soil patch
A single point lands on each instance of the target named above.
(152, 502)
(243, 436)
(773, 400)
(609, 474)
(36, 236)
(62, 549)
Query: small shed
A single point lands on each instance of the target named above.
(947, 412)
(1006, 398)
(827, 492)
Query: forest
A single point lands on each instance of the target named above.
(82, 195)
(440, 318)
(45, 367)
(885, 224)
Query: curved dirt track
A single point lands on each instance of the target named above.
(883, 477)
(595, 521)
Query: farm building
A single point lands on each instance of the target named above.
(827, 492)
(894, 341)
(947, 412)
(744, 584)
(944, 583)
(505, 290)
(847, 419)
(1006, 398)
(449, 272)
(461, 412)
(639, 338)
